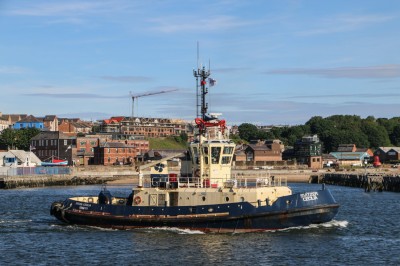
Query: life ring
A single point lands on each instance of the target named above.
(137, 200)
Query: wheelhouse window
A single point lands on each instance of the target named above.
(215, 154)
(228, 150)
(226, 159)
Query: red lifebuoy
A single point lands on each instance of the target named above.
(137, 200)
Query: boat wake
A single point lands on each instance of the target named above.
(176, 230)
(330, 224)
(14, 221)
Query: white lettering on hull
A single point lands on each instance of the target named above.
(309, 196)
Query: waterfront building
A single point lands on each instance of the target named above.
(351, 158)
(49, 144)
(388, 154)
(264, 151)
(114, 153)
(308, 150)
(18, 158)
(353, 148)
(89, 151)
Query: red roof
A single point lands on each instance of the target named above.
(114, 120)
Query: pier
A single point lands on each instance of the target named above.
(369, 182)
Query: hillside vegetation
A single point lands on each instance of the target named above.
(333, 130)
(168, 143)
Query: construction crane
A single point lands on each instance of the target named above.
(146, 94)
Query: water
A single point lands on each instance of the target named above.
(366, 230)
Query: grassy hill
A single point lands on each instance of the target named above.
(168, 143)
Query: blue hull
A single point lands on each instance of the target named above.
(300, 209)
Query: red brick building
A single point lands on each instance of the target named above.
(100, 149)
(114, 153)
(72, 127)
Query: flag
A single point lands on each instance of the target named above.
(212, 82)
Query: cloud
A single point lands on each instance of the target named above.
(61, 9)
(88, 116)
(189, 24)
(74, 95)
(346, 96)
(374, 72)
(128, 79)
(344, 23)
(230, 69)
(11, 70)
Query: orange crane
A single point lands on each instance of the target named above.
(146, 94)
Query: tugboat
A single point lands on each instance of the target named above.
(210, 200)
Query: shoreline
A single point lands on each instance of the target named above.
(129, 177)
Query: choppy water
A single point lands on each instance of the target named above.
(366, 230)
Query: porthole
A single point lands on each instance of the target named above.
(226, 198)
(203, 198)
(210, 210)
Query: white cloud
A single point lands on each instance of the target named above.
(375, 72)
(189, 23)
(12, 70)
(344, 23)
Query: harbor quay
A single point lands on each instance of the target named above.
(370, 179)
(73, 176)
(369, 182)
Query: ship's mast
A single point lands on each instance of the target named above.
(202, 74)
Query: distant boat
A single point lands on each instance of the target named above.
(55, 162)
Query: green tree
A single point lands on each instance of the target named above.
(318, 125)
(8, 137)
(377, 135)
(18, 138)
(395, 136)
(24, 137)
(248, 131)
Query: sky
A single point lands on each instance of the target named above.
(276, 62)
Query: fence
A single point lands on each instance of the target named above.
(22, 171)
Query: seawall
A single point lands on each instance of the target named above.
(369, 182)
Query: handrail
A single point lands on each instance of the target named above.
(235, 182)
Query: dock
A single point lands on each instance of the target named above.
(369, 182)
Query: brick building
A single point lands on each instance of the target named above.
(264, 151)
(48, 144)
(74, 126)
(86, 146)
(143, 126)
(114, 153)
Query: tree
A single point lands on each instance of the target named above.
(248, 131)
(24, 137)
(8, 137)
(395, 136)
(18, 139)
(377, 135)
(318, 125)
